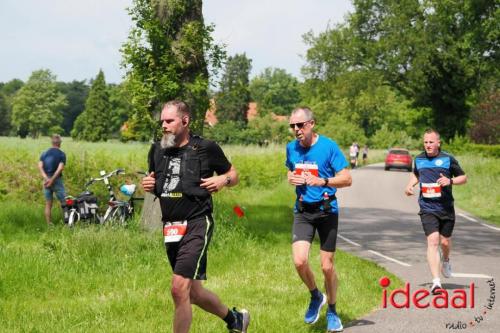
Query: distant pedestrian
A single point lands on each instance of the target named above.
(353, 155)
(365, 154)
(51, 165)
(436, 171)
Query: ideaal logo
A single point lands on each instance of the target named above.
(443, 300)
(458, 299)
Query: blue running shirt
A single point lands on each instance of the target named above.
(434, 198)
(324, 159)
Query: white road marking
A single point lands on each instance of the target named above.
(389, 258)
(466, 275)
(474, 220)
(489, 226)
(468, 217)
(348, 240)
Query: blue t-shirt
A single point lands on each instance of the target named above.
(51, 159)
(324, 159)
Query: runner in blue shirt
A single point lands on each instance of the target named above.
(435, 172)
(51, 165)
(316, 167)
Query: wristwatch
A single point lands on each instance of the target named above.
(228, 180)
(326, 181)
(451, 181)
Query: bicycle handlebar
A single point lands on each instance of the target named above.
(106, 176)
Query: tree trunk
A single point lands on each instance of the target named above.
(151, 213)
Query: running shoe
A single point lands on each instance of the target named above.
(436, 288)
(446, 270)
(333, 323)
(240, 325)
(312, 313)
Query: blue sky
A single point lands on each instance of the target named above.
(74, 39)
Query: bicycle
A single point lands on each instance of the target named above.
(83, 207)
(118, 211)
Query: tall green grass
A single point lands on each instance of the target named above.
(481, 194)
(107, 279)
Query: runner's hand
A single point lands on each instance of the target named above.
(443, 181)
(409, 190)
(312, 180)
(296, 180)
(213, 184)
(148, 182)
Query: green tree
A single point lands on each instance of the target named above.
(76, 93)
(36, 107)
(168, 55)
(234, 95)
(8, 90)
(93, 124)
(275, 91)
(121, 107)
(4, 115)
(486, 117)
(434, 52)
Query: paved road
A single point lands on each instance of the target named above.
(380, 223)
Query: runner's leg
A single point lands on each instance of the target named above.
(300, 253)
(433, 253)
(207, 300)
(180, 291)
(331, 281)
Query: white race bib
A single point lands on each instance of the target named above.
(306, 167)
(431, 190)
(174, 231)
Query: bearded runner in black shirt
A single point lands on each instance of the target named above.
(181, 175)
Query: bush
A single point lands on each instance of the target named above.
(461, 144)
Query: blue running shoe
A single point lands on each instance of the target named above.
(315, 306)
(333, 323)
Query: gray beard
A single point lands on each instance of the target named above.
(167, 140)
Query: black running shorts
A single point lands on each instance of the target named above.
(188, 257)
(305, 225)
(441, 222)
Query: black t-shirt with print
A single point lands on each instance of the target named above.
(173, 175)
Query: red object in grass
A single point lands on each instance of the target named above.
(238, 211)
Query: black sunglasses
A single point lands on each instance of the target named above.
(299, 125)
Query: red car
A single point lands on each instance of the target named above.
(399, 158)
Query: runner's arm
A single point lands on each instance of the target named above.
(411, 183)
(342, 179)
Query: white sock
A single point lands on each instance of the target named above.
(436, 281)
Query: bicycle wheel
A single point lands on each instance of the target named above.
(73, 218)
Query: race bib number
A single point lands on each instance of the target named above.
(173, 232)
(431, 190)
(306, 167)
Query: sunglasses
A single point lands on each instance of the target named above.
(299, 125)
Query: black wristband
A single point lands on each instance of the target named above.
(451, 181)
(326, 181)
